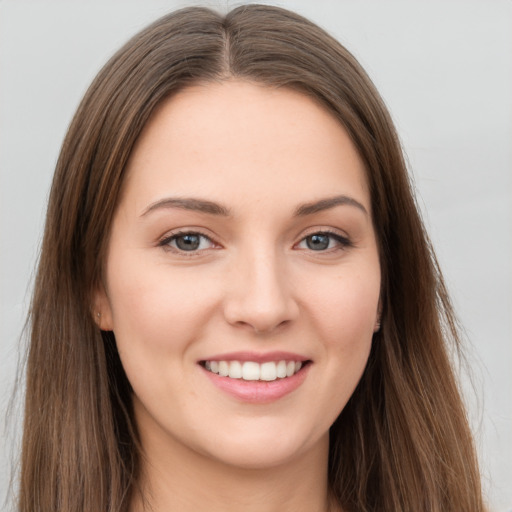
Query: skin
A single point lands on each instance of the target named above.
(253, 285)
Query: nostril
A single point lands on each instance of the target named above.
(272, 328)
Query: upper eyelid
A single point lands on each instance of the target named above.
(172, 233)
(326, 231)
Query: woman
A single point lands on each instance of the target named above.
(237, 306)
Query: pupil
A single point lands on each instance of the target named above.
(188, 242)
(317, 242)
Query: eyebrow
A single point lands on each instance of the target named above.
(185, 203)
(212, 208)
(328, 203)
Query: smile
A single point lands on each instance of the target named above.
(253, 371)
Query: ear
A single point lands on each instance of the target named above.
(102, 312)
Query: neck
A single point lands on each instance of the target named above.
(175, 478)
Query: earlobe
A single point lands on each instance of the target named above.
(102, 312)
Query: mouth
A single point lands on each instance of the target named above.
(257, 378)
(267, 371)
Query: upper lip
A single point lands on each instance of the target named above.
(257, 357)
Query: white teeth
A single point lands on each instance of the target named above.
(250, 370)
(235, 370)
(268, 371)
(281, 370)
(223, 368)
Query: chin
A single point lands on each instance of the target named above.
(264, 449)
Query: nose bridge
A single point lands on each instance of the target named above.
(260, 294)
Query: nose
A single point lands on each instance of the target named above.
(259, 293)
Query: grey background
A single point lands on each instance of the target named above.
(443, 67)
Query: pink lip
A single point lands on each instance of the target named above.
(258, 392)
(257, 357)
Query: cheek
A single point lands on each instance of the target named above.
(345, 307)
(340, 311)
(156, 318)
(155, 310)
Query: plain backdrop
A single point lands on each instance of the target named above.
(444, 69)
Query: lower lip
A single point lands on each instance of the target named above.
(257, 391)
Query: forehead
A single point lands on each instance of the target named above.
(239, 141)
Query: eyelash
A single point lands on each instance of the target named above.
(166, 242)
(342, 241)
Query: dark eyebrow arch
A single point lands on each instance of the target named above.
(326, 204)
(187, 203)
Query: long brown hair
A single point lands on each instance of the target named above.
(402, 443)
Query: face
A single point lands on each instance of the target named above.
(242, 278)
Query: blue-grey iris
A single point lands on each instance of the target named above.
(317, 242)
(188, 242)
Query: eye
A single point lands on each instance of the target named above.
(323, 241)
(187, 242)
